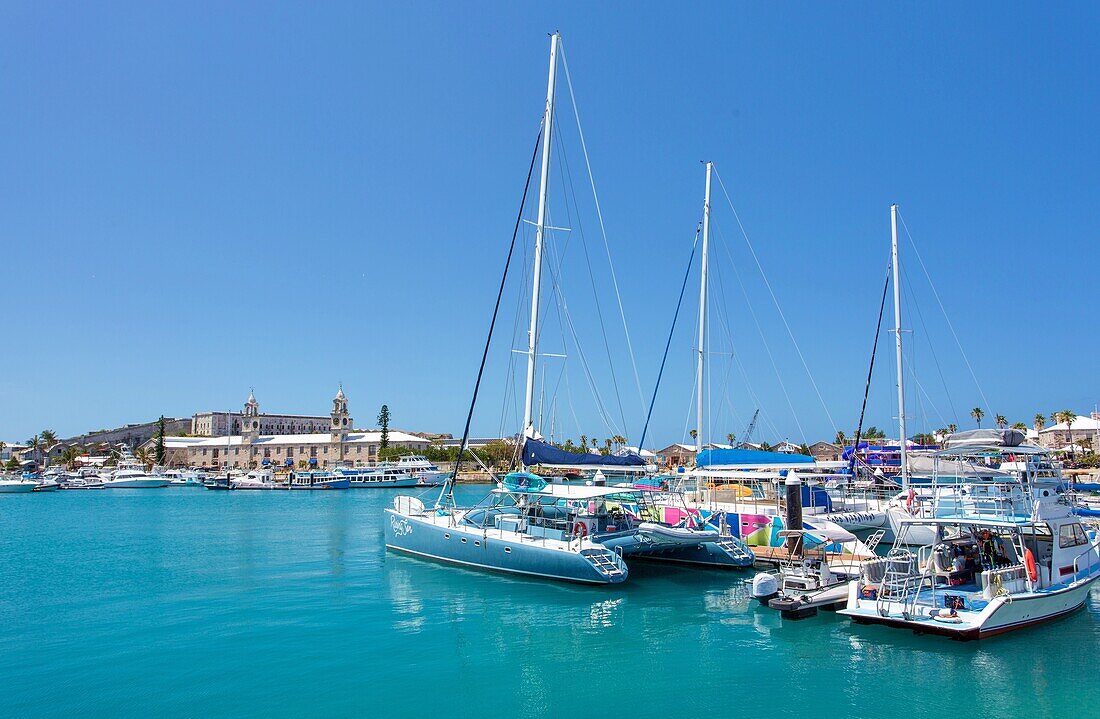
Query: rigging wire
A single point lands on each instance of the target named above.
(928, 336)
(950, 326)
(870, 371)
(668, 343)
(782, 316)
(603, 229)
(760, 331)
(448, 489)
(567, 179)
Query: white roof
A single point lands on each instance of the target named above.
(291, 439)
(1082, 423)
(622, 452)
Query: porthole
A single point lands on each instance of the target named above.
(507, 550)
(477, 543)
(446, 535)
(463, 540)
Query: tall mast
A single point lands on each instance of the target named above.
(897, 345)
(699, 405)
(544, 189)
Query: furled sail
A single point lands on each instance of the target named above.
(547, 455)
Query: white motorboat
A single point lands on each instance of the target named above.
(16, 485)
(1005, 554)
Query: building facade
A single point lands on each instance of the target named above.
(219, 424)
(251, 448)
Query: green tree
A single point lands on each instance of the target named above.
(160, 454)
(1040, 421)
(977, 413)
(1000, 421)
(12, 465)
(1068, 417)
(694, 435)
(841, 439)
(142, 455)
(70, 455)
(584, 443)
(1020, 426)
(729, 439)
(952, 428)
(34, 444)
(384, 423)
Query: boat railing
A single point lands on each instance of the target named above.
(1087, 567)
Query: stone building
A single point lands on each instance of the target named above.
(219, 424)
(251, 448)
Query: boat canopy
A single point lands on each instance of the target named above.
(571, 491)
(986, 437)
(547, 455)
(750, 458)
(923, 465)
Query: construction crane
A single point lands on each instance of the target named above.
(748, 431)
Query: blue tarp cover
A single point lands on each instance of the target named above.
(536, 452)
(729, 457)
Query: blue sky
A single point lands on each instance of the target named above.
(201, 198)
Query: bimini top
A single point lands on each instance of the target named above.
(570, 491)
(986, 437)
(547, 455)
(975, 449)
(750, 458)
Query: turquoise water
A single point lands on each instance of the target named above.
(188, 603)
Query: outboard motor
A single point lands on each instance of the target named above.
(765, 587)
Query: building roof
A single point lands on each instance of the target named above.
(290, 439)
(1082, 423)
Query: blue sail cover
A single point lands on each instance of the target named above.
(733, 457)
(536, 452)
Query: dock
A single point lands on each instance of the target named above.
(774, 556)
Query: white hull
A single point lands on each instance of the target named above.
(136, 483)
(16, 487)
(997, 617)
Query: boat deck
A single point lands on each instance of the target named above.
(774, 556)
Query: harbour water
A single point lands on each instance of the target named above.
(189, 603)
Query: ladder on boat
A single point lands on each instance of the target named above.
(899, 582)
(736, 549)
(874, 539)
(606, 562)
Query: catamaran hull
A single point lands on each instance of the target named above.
(469, 547)
(708, 554)
(997, 618)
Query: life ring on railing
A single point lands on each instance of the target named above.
(580, 530)
(909, 501)
(1032, 570)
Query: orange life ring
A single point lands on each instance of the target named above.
(909, 501)
(1032, 570)
(580, 530)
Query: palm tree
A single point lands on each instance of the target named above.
(841, 439)
(584, 442)
(1040, 421)
(143, 456)
(1068, 417)
(1000, 421)
(49, 439)
(34, 443)
(977, 413)
(952, 428)
(694, 435)
(69, 455)
(729, 439)
(1020, 426)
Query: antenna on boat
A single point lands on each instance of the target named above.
(897, 345)
(702, 318)
(540, 229)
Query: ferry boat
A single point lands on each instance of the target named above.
(411, 470)
(1006, 553)
(317, 480)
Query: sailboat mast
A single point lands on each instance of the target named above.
(699, 405)
(544, 189)
(897, 345)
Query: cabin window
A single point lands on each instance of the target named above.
(446, 535)
(507, 550)
(1071, 535)
(477, 543)
(463, 540)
